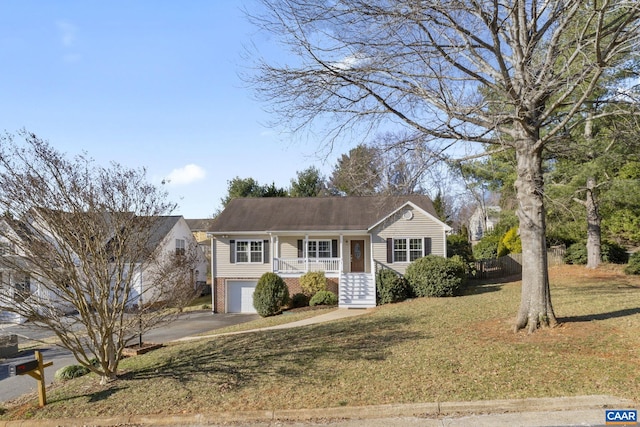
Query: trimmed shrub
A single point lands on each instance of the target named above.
(634, 264)
(391, 287)
(458, 244)
(313, 282)
(324, 298)
(434, 276)
(609, 252)
(70, 372)
(271, 295)
(299, 300)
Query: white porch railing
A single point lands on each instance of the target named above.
(304, 265)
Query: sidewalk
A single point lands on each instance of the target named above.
(563, 411)
(337, 314)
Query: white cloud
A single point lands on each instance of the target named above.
(67, 33)
(350, 61)
(185, 175)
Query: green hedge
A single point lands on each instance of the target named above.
(391, 287)
(487, 248)
(609, 252)
(435, 276)
(458, 244)
(634, 264)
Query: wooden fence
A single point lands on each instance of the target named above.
(510, 265)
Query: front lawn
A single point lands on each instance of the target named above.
(425, 350)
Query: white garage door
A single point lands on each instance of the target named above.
(240, 296)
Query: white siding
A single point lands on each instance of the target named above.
(225, 268)
(396, 226)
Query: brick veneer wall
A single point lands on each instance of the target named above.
(293, 283)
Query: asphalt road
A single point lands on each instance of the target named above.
(187, 324)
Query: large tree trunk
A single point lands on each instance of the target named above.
(535, 306)
(593, 226)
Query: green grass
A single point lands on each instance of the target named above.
(200, 303)
(424, 350)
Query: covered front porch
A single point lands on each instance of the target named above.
(346, 257)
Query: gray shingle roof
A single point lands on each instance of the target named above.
(314, 213)
(199, 224)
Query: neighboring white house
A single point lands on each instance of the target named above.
(16, 286)
(170, 236)
(483, 219)
(348, 238)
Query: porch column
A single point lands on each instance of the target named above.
(340, 254)
(371, 258)
(305, 253)
(273, 241)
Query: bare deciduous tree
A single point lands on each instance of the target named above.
(513, 73)
(83, 254)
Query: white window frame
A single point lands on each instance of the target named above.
(181, 247)
(253, 248)
(316, 253)
(410, 254)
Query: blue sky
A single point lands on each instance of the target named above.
(149, 84)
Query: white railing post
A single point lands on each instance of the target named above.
(305, 252)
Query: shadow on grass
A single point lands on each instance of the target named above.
(103, 394)
(480, 288)
(608, 288)
(600, 316)
(495, 280)
(231, 362)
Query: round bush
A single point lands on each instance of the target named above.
(70, 372)
(391, 287)
(634, 264)
(434, 276)
(324, 298)
(299, 300)
(312, 282)
(271, 295)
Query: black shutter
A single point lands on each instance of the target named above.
(427, 246)
(300, 248)
(265, 251)
(232, 251)
(334, 248)
(389, 250)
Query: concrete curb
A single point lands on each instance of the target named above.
(421, 410)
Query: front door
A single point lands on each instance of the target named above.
(357, 256)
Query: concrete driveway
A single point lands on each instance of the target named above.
(187, 324)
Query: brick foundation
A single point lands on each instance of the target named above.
(293, 283)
